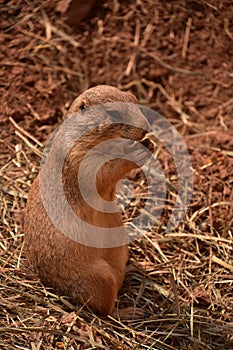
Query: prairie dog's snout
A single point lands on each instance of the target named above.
(124, 147)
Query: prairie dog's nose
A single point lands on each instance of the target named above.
(139, 119)
(128, 113)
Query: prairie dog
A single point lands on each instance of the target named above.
(85, 274)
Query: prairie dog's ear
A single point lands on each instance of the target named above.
(78, 105)
(83, 105)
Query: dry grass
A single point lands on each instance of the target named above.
(185, 286)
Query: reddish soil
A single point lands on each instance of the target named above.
(176, 57)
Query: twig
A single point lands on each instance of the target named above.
(24, 19)
(29, 144)
(171, 68)
(222, 263)
(173, 103)
(201, 237)
(226, 104)
(50, 331)
(175, 292)
(135, 44)
(47, 24)
(202, 210)
(224, 151)
(147, 33)
(49, 28)
(65, 36)
(226, 28)
(32, 110)
(186, 38)
(45, 68)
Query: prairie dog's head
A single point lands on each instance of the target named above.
(117, 112)
(100, 94)
(99, 114)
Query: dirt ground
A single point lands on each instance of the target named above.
(176, 57)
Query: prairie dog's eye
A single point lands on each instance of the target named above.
(83, 106)
(116, 116)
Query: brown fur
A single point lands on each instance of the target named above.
(84, 274)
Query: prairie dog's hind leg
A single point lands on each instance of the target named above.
(97, 288)
(99, 292)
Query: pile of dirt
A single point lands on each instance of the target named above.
(176, 57)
